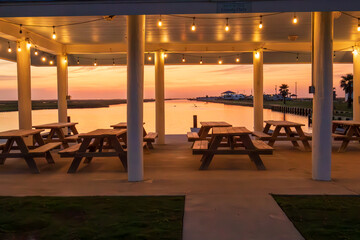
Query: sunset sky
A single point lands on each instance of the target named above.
(180, 81)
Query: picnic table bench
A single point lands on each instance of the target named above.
(352, 133)
(244, 146)
(92, 145)
(288, 135)
(204, 131)
(56, 133)
(149, 138)
(40, 149)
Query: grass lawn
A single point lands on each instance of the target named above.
(323, 217)
(104, 217)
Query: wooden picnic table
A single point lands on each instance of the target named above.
(27, 152)
(149, 138)
(352, 133)
(289, 135)
(243, 145)
(93, 145)
(204, 131)
(56, 133)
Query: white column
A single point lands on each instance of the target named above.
(24, 85)
(160, 96)
(135, 92)
(356, 85)
(323, 99)
(258, 90)
(62, 79)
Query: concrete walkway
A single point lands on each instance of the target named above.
(231, 200)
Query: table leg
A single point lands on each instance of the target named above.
(303, 138)
(267, 128)
(253, 155)
(61, 137)
(7, 148)
(207, 157)
(204, 133)
(29, 160)
(51, 135)
(346, 140)
(38, 139)
(289, 134)
(274, 136)
(77, 159)
(93, 148)
(118, 148)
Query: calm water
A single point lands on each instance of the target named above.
(178, 116)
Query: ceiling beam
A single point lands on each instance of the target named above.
(11, 32)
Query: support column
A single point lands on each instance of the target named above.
(356, 85)
(24, 85)
(135, 95)
(323, 99)
(62, 80)
(160, 96)
(258, 98)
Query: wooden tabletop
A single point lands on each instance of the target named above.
(103, 133)
(19, 133)
(120, 125)
(215, 124)
(232, 131)
(284, 123)
(347, 123)
(55, 125)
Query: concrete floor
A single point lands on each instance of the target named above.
(231, 200)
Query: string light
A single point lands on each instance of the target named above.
(51, 62)
(193, 27)
(358, 28)
(183, 58)
(18, 47)
(354, 51)
(28, 44)
(237, 59)
(201, 61)
(54, 34)
(36, 51)
(43, 59)
(257, 54)
(95, 63)
(260, 24)
(78, 61)
(334, 54)
(227, 28)
(297, 57)
(149, 57)
(9, 48)
(220, 60)
(295, 20)
(159, 22)
(20, 31)
(65, 59)
(165, 55)
(113, 62)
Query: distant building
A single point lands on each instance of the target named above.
(228, 94)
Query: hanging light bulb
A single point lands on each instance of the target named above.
(257, 54)
(95, 63)
(9, 48)
(220, 61)
(237, 59)
(20, 31)
(54, 34)
(227, 28)
(65, 59)
(149, 57)
(165, 55)
(78, 61)
(297, 57)
(358, 28)
(295, 20)
(260, 24)
(36, 51)
(183, 58)
(51, 62)
(201, 61)
(43, 59)
(334, 54)
(113, 62)
(18, 47)
(159, 22)
(28, 43)
(193, 27)
(354, 51)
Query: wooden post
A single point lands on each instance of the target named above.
(195, 121)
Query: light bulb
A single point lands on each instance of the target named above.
(355, 52)
(28, 44)
(43, 59)
(257, 54)
(237, 59)
(9, 50)
(19, 49)
(149, 58)
(113, 62)
(51, 62)
(183, 59)
(160, 22)
(220, 61)
(358, 28)
(54, 34)
(65, 60)
(227, 28)
(78, 61)
(95, 63)
(201, 61)
(36, 52)
(295, 20)
(193, 27)
(260, 24)
(165, 55)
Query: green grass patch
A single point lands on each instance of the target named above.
(327, 217)
(100, 217)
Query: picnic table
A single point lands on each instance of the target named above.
(205, 130)
(149, 138)
(352, 133)
(40, 149)
(56, 133)
(92, 145)
(244, 145)
(294, 135)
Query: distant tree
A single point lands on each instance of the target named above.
(284, 91)
(346, 83)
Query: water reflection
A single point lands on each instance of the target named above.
(178, 116)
